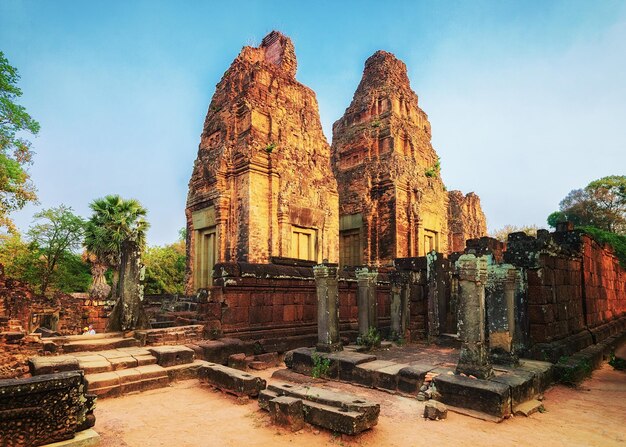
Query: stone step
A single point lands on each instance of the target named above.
(172, 355)
(101, 344)
(92, 362)
(185, 371)
(117, 383)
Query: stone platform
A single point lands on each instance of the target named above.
(405, 370)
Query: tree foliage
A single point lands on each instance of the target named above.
(57, 234)
(25, 261)
(113, 222)
(165, 269)
(16, 188)
(503, 233)
(601, 204)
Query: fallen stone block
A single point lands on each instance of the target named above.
(287, 412)
(172, 355)
(342, 412)
(435, 411)
(231, 380)
(50, 365)
(484, 396)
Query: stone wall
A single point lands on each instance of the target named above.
(23, 310)
(576, 290)
(267, 300)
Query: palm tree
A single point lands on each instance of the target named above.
(113, 222)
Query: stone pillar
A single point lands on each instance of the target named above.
(474, 358)
(327, 288)
(400, 290)
(366, 300)
(500, 301)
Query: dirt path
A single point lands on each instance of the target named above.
(188, 414)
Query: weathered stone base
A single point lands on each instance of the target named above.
(339, 412)
(485, 396)
(85, 438)
(231, 380)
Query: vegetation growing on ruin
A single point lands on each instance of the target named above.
(371, 339)
(270, 148)
(321, 365)
(616, 241)
(434, 170)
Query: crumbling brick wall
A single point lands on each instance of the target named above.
(267, 300)
(576, 288)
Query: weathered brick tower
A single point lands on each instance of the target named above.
(392, 200)
(262, 184)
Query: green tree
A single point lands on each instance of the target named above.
(57, 233)
(16, 188)
(113, 221)
(165, 269)
(601, 204)
(21, 260)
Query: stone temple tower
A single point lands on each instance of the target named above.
(262, 185)
(392, 200)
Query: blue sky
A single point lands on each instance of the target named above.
(527, 99)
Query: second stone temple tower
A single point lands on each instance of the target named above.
(392, 200)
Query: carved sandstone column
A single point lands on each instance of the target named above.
(366, 300)
(327, 288)
(474, 358)
(400, 289)
(500, 300)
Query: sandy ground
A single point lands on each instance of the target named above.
(188, 414)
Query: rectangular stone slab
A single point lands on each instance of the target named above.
(387, 378)
(231, 380)
(172, 355)
(485, 396)
(323, 396)
(52, 364)
(339, 412)
(345, 362)
(364, 374)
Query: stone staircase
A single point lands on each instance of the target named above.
(99, 342)
(123, 370)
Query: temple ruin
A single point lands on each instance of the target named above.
(351, 263)
(392, 200)
(262, 187)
